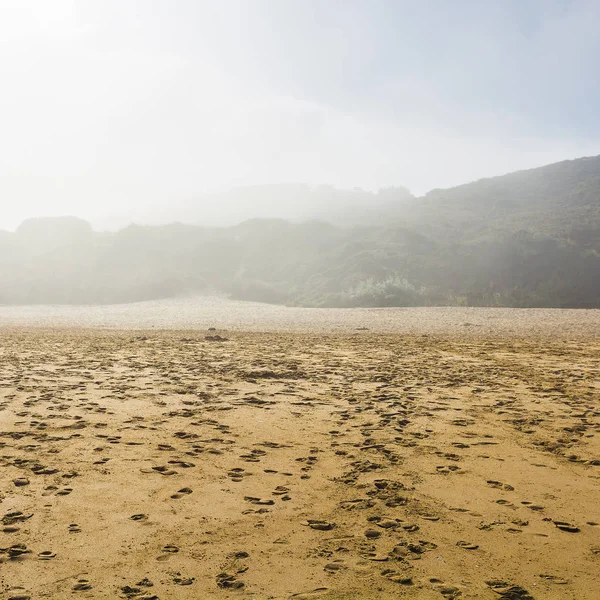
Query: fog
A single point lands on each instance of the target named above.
(122, 110)
(339, 153)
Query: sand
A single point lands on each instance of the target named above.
(238, 464)
(201, 312)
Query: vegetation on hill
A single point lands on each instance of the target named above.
(530, 238)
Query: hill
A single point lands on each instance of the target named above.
(530, 238)
(552, 200)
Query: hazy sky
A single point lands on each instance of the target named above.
(122, 106)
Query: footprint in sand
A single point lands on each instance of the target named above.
(396, 577)
(15, 516)
(132, 592)
(49, 490)
(334, 567)
(449, 592)
(318, 525)
(227, 581)
(508, 591)
(358, 504)
(386, 523)
(372, 534)
(164, 470)
(316, 593)
(167, 551)
(412, 551)
(376, 556)
(447, 469)
(82, 585)
(181, 493)
(16, 552)
(531, 506)
(501, 486)
(184, 580)
(564, 526)
(182, 464)
(237, 474)
(260, 501)
(254, 456)
(555, 579)
(282, 492)
(467, 545)
(506, 503)
(11, 529)
(430, 517)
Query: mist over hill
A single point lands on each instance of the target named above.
(295, 202)
(530, 238)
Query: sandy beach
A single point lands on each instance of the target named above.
(203, 312)
(335, 458)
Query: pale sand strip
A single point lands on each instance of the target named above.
(203, 312)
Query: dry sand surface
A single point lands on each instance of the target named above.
(210, 311)
(246, 465)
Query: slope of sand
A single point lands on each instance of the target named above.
(142, 464)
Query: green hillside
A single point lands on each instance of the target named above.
(530, 238)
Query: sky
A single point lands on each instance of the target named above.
(117, 109)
